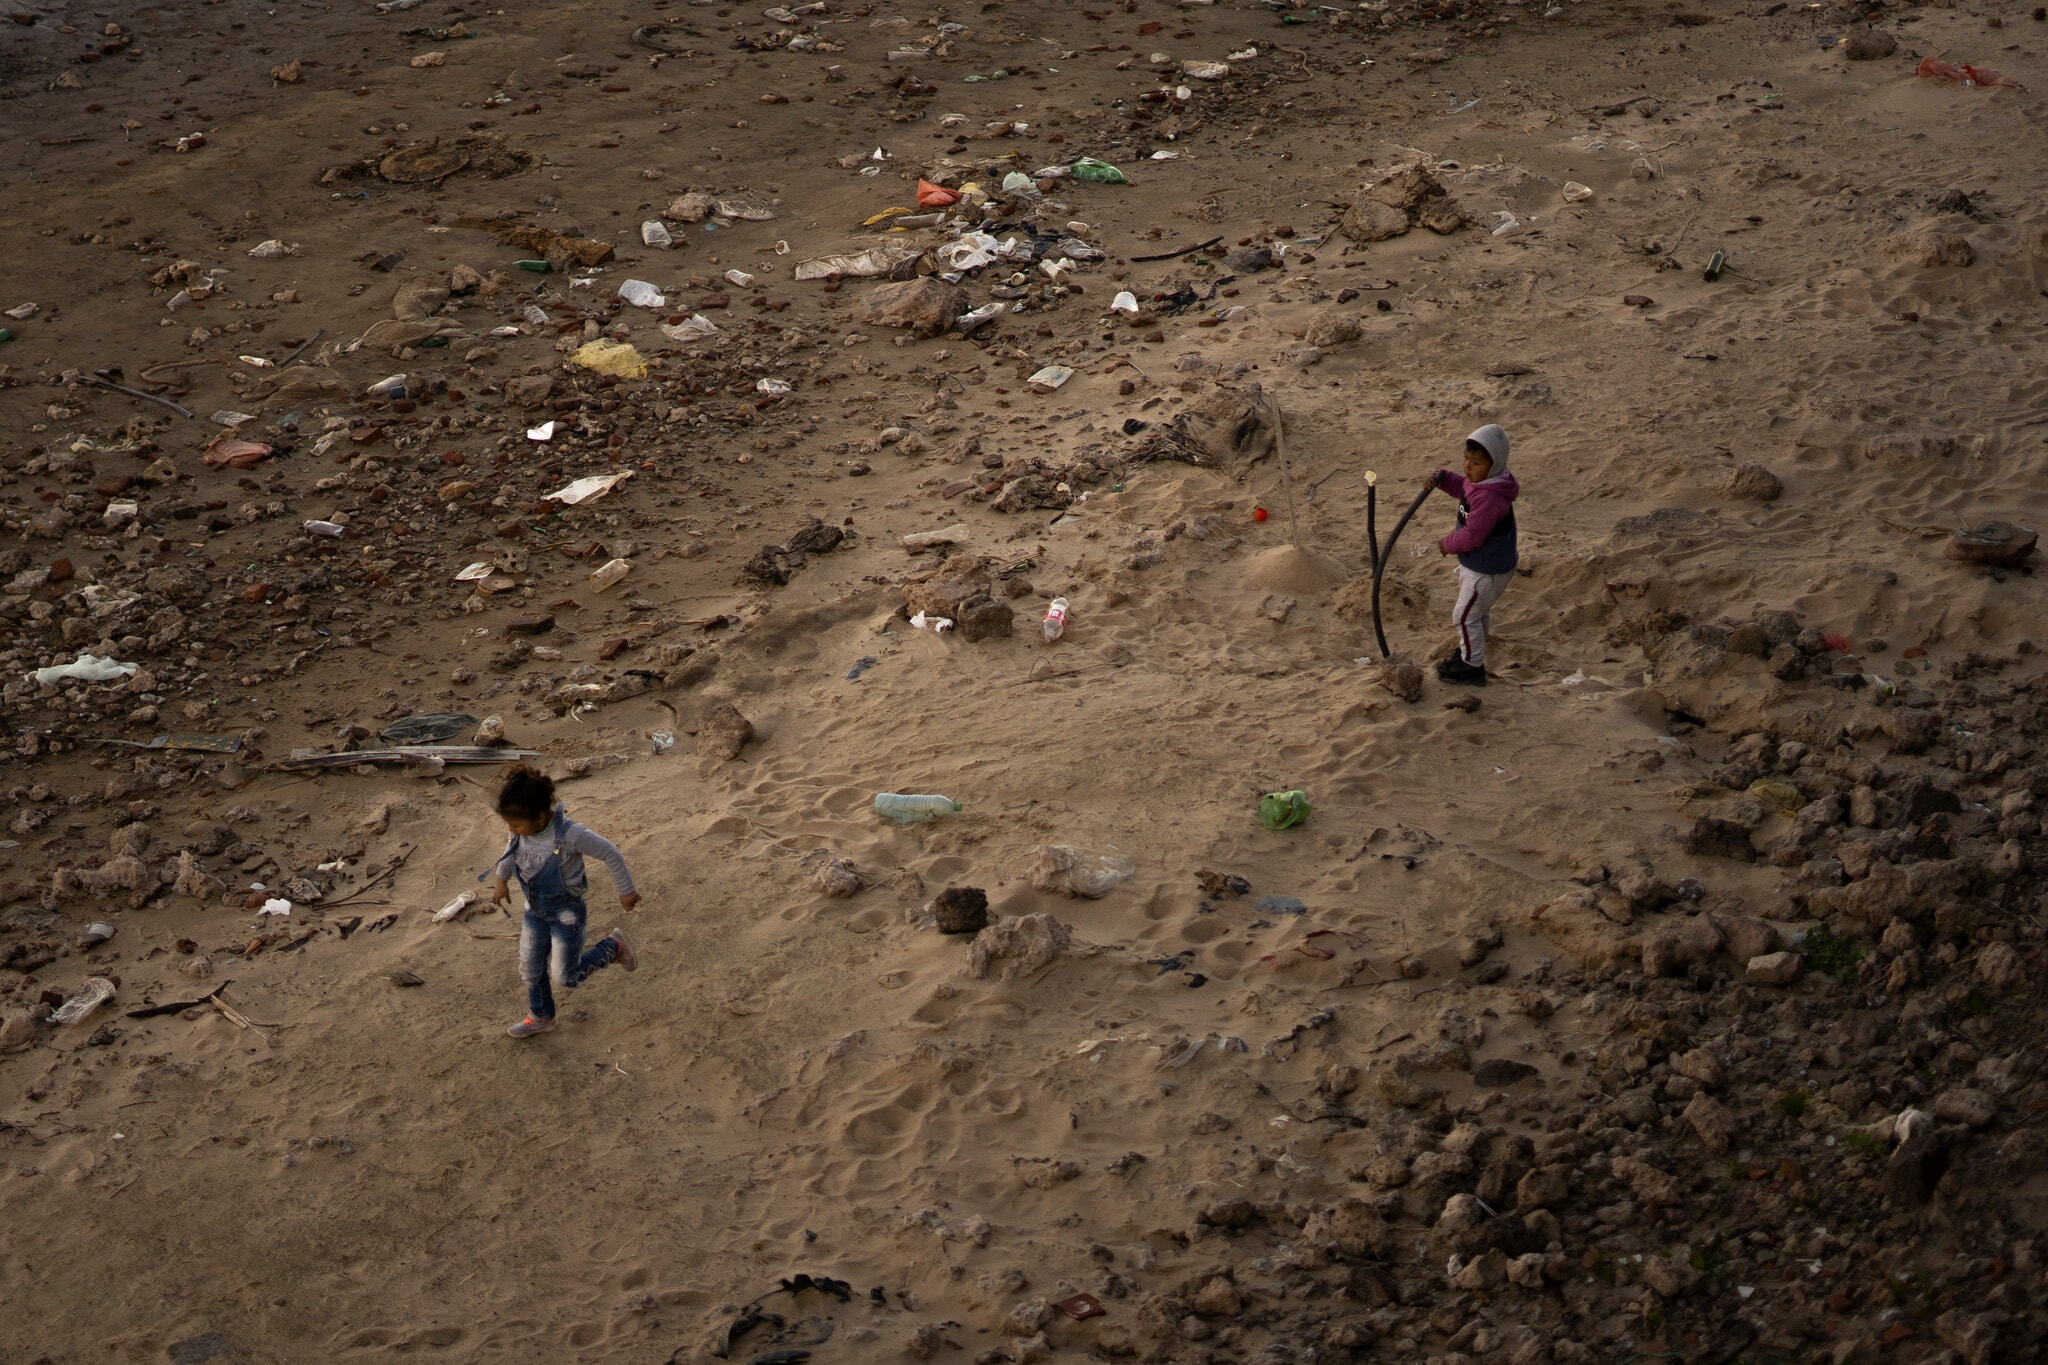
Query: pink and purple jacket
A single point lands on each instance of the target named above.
(1485, 539)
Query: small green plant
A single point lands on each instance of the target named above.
(1827, 951)
(1708, 1259)
(1792, 1103)
(1859, 1142)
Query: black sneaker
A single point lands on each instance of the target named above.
(1456, 670)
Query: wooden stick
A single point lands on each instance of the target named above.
(1286, 477)
(138, 393)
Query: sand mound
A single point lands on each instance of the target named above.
(1289, 568)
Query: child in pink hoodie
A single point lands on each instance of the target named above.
(1484, 544)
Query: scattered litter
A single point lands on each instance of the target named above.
(1573, 192)
(696, 327)
(640, 294)
(655, 233)
(908, 809)
(274, 250)
(1098, 172)
(771, 386)
(1076, 872)
(739, 279)
(427, 729)
(1124, 302)
(938, 624)
(861, 665)
(330, 529)
(1051, 377)
(1279, 810)
(404, 755)
(544, 432)
(587, 489)
(96, 991)
(1282, 905)
(611, 572)
(276, 905)
(618, 358)
(1934, 68)
(875, 261)
(455, 907)
(86, 668)
(1212, 71)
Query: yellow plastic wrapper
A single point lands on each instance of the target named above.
(612, 357)
(1780, 796)
(884, 216)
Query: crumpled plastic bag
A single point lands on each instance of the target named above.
(695, 327)
(611, 357)
(875, 261)
(1077, 872)
(583, 490)
(1098, 172)
(86, 668)
(1279, 810)
(1934, 68)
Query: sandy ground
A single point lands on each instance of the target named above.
(793, 1083)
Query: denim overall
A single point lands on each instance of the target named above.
(551, 934)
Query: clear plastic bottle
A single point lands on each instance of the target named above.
(392, 387)
(1055, 620)
(914, 810)
(611, 573)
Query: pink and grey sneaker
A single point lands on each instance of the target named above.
(624, 954)
(529, 1026)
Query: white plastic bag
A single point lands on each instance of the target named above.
(87, 668)
(583, 490)
(641, 294)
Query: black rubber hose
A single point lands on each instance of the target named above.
(1385, 554)
(1372, 534)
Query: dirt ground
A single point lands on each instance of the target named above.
(1672, 996)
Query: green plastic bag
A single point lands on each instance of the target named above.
(1278, 810)
(1098, 172)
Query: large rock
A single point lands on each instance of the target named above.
(927, 306)
(1407, 190)
(1442, 216)
(1543, 1188)
(1995, 542)
(1963, 1105)
(960, 910)
(1868, 44)
(1932, 247)
(1712, 1121)
(1017, 945)
(988, 619)
(1369, 220)
(1756, 483)
(723, 732)
(1775, 969)
(959, 581)
(1713, 837)
(1332, 327)
(1746, 938)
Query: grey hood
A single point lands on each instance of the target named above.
(1496, 442)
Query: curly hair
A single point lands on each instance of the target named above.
(528, 794)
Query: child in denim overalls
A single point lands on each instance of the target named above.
(546, 854)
